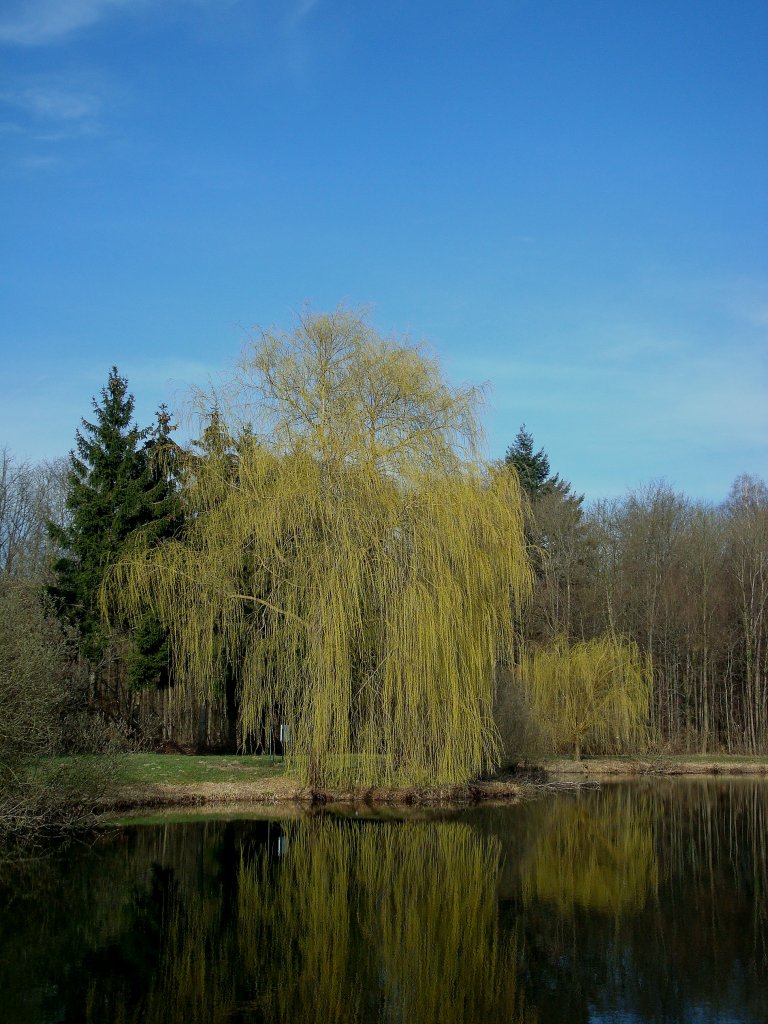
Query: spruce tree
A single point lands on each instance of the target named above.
(532, 467)
(149, 658)
(535, 478)
(559, 545)
(117, 491)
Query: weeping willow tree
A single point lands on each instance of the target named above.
(347, 555)
(595, 692)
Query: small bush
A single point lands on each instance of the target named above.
(43, 714)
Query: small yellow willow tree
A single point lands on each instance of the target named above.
(594, 692)
(347, 555)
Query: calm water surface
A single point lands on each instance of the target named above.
(636, 902)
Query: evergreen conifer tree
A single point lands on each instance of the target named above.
(534, 475)
(559, 544)
(118, 490)
(149, 658)
(532, 467)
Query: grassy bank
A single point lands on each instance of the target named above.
(165, 780)
(171, 780)
(181, 769)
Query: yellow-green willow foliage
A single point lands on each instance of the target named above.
(391, 922)
(357, 922)
(597, 853)
(348, 555)
(593, 692)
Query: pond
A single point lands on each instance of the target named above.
(637, 901)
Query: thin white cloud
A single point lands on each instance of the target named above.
(53, 103)
(42, 22)
(37, 22)
(300, 11)
(34, 162)
(46, 111)
(653, 396)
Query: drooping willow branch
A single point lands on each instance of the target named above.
(361, 586)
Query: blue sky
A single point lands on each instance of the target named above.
(568, 200)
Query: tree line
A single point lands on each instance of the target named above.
(333, 554)
(686, 580)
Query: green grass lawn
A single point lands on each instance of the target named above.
(139, 769)
(178, 769)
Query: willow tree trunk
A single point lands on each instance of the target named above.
(232, 701)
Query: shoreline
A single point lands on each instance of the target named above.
(631, 767)
(512, 786)
(282, 793)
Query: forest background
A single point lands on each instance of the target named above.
(678, 587)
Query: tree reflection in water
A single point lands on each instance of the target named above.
(660, 895)
(596, 852)
(647, 900)
(357, 921)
